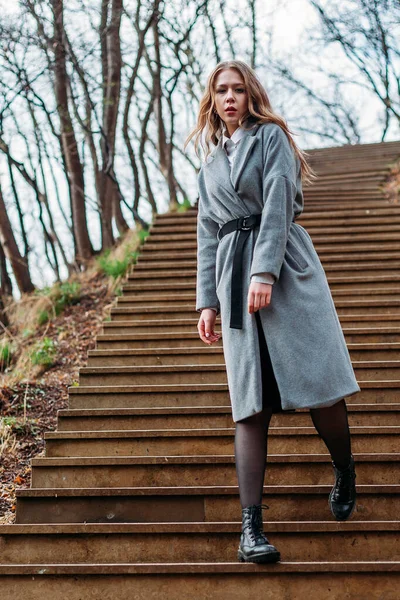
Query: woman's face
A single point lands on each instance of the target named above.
(230, 92)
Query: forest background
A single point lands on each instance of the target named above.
(98, 96)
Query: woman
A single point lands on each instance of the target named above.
(287, 350)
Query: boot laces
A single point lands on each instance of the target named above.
(254, 526)
(343, 485)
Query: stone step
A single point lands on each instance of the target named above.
(149, 263)
(154, 356)
(173, 317)
(383, 351)
(389, 249)
(376, 292)
(152, 340)
(206, 416)
(153, 374)
(148, 329)
(379, 334)
(205, 580)
(377, 268)
(189, 275)
(314, 224)
(306, 217)
(148, 296)
(189, 542)
(211, 355)
(367, 189)
(357, 180)
(349, 190)
(373, 267)
(331, 237)
(200, 503)
(314, 227)
(216, 372)
(147, 471)
(181, 338)
(161, 442)
(342, 199)
(380, 292)
(382, 206)
(325, 158)
(125, 396)
(143, 294)
(329, 264)
(324, 246)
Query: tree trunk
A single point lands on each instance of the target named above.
(84, 248)
(111, 70)
(6, 288)
(163, 146)
(19, 263)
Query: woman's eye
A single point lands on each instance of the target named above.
(237, 90)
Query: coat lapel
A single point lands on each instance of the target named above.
(244, 149)
(218, 164)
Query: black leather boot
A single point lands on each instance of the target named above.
(342, 499)
(254, 545)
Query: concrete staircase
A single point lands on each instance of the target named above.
(137, 495)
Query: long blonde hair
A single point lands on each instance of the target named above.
(259, 111)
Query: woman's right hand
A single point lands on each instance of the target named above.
(206, 326)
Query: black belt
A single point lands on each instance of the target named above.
(244, 224)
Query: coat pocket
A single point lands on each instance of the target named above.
(294, 257)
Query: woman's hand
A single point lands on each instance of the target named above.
(206, 326)
(259, 296)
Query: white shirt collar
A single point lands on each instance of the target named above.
(237, 134)
(235, 137)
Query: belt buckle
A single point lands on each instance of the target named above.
(244, 223)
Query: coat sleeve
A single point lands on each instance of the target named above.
(263, 278)
(279, 191)
(207, 244)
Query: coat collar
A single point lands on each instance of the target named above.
(235, 137)
(218, 164)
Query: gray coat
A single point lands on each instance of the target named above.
(305, 340)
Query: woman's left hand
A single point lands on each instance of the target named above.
(259, 296)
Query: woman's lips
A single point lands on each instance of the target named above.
(231, 110)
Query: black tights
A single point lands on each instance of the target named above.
(251, 435)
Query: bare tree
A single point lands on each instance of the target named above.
(141, 36)
(6, 288)
(55, 44)
(8, 242)
(84, 248)
(367, 31)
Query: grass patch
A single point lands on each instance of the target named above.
(185, 205)
(43, 352)
(59, 296)
(6, 353)
(113, 267)
(115, 262)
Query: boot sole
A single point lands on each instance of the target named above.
(268, 557)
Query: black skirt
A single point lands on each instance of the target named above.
(271, 395)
